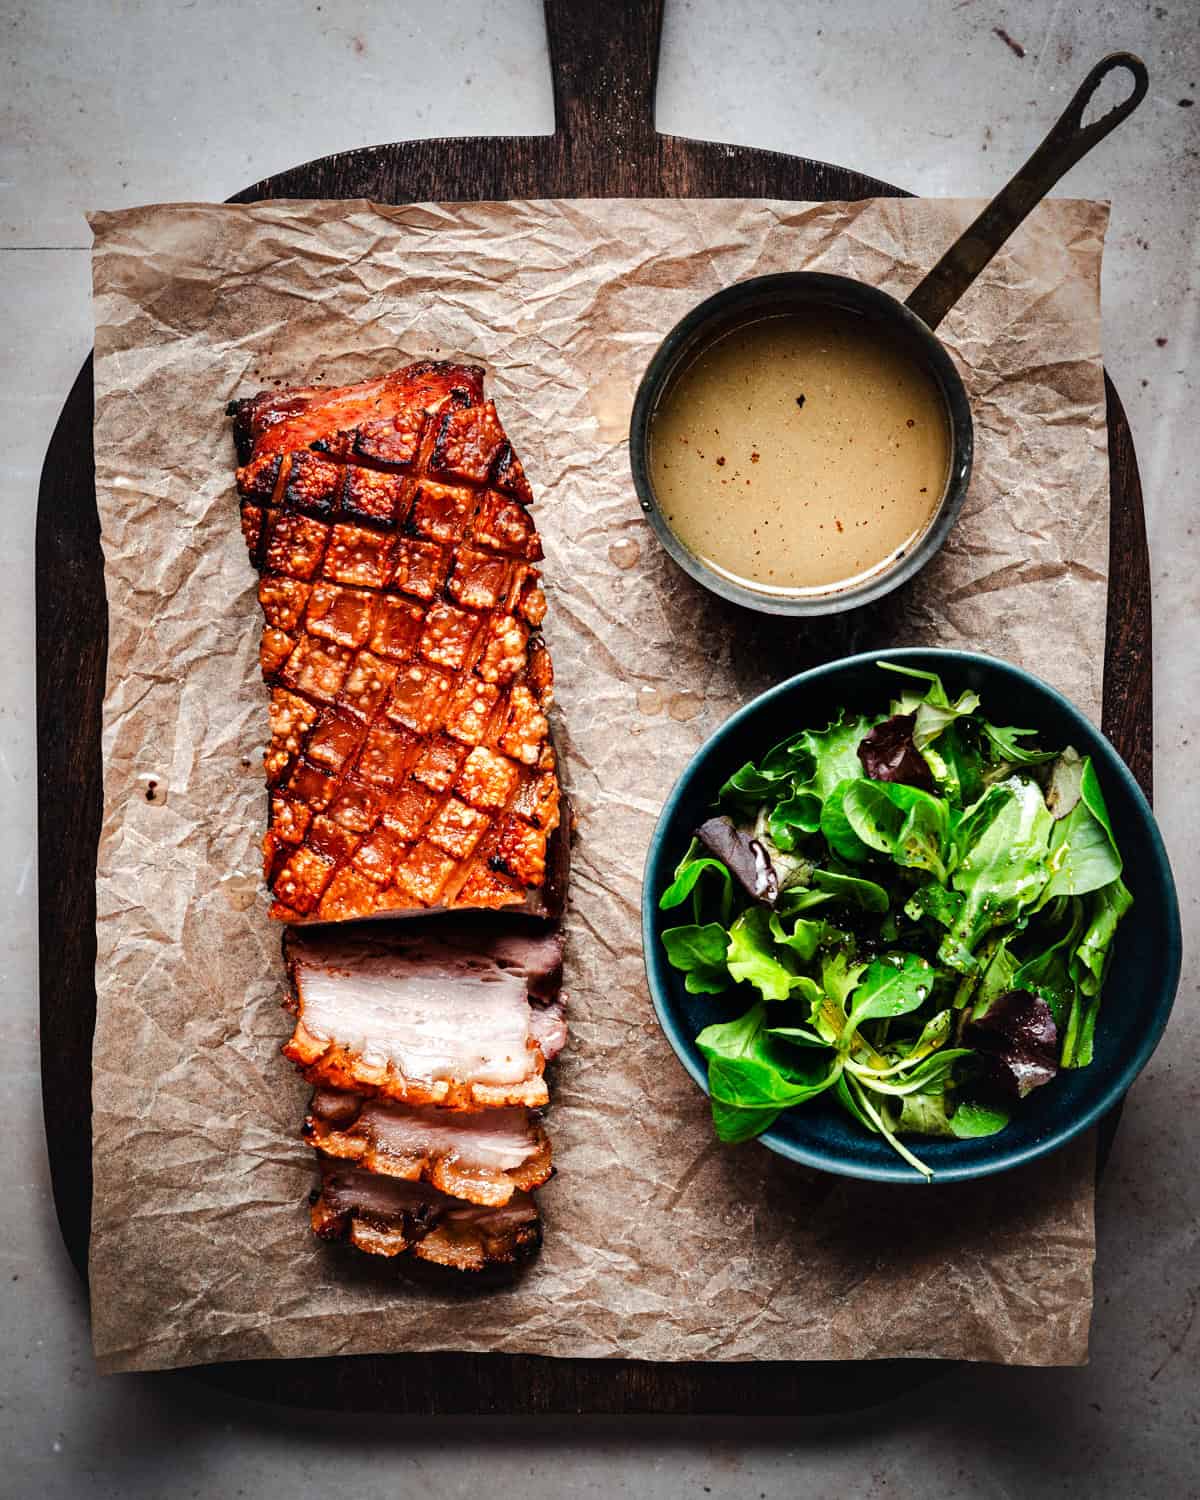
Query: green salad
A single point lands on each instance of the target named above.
(912, 912)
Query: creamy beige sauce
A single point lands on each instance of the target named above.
(800, 452)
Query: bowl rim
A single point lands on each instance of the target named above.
(1002, 1160)
(804, 286)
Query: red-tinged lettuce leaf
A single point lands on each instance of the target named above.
(1018, 1041)
(747, 860)
(888, 754)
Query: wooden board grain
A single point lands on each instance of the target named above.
(604, 57)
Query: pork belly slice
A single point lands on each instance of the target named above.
(482, 1156)
(410, 765)
(390, 1217)
(424, 1020)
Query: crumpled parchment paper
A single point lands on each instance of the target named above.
(659, 1244)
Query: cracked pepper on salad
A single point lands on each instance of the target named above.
(920, 908)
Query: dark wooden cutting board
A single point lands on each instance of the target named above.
(604, 58)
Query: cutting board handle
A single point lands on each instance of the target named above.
(604, 63)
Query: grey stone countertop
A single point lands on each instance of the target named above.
(104, 105)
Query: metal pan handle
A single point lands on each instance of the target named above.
(1069, 140)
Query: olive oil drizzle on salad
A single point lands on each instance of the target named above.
(913, 913)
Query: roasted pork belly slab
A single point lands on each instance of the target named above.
(410, 764)
(387, 1216)
(482, 1156)
(462, 1021)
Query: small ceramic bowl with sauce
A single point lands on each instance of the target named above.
(802, 443)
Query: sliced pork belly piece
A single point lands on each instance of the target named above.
(388, 1216)
(482, 1156)
(410, 765)
(421, 1019)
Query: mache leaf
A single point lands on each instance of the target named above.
(688, 871)
(892, 818)
(699, 951)
(748, 1070)
(971, 1120)
(891, 986)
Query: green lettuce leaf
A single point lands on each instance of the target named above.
(751, 956)
(1002, 871)
(1007, 747)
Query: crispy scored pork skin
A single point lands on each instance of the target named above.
(410, 765)
(482, 1157)
(390, 1217)
(423, 1020)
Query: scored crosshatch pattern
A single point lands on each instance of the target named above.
(409, 761)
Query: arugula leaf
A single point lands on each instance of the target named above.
(996, 974)
(1003, 871)
(827, 1004)
(699, 951)
(839, 976)
(1089, 966)
(750, 785)
(798, 774)
(852, 890)
(891, 986)
(1006, 744)
(902, 821)
(934, 711)
(750, 956)
(687, 875)
(1083, 851)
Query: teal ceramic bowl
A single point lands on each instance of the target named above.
(1145, 968)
